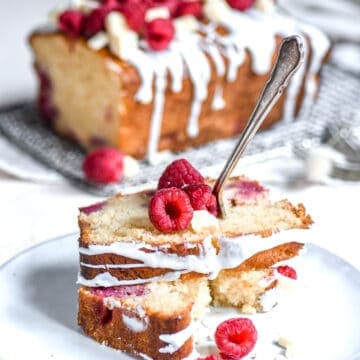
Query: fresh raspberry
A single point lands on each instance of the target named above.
(189, 8)
(180, 173)
(134, 12)
(241, 5)
(287, 271)
(71, 22)
(159, 33)
(202, 198)
(235, 338)
(95, 21)
(112, 4)
(210, 357)
(104, 165)
(170, 210)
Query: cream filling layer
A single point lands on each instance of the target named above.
(232, 252)
(107, 280)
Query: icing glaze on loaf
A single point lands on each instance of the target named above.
(221, 43)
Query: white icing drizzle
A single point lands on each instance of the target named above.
(233, 251)
(158, 259)
(105, 279)
(112, 266)
(320, 46)
(319, 43)
(175, 341)
(156, 117)
(135, 324)
(200, 73)
(144, 356)
(253, 31)
(218, 102)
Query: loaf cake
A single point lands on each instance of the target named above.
(148, 75)
(132, 265)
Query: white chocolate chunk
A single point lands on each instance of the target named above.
(186, 24)
(160, 12)
(267, 6)
(122, 39)
(203, 220)
(217, 10)
(131, 167)
(98, 41)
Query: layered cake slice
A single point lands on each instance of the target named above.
(170, 241)
(150, 75)
(153, 320)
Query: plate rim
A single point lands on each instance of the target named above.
(34, 246)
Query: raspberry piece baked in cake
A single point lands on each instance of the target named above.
(127, 242)
(145, 76)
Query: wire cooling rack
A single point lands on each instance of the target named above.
(338, 95)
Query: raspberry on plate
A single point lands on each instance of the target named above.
(210, 357)
(235, 338)
(71, 22)
(159, 33)
(104, 165)
(202, 198)
(241, 5)
(180, 173)
(287, 271)
(170, 210)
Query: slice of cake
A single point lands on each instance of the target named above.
(151, 75)
(154, 321)
(151, 247)
(119, 245)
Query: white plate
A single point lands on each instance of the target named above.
(38, 306)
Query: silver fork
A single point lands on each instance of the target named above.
(289, 59)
